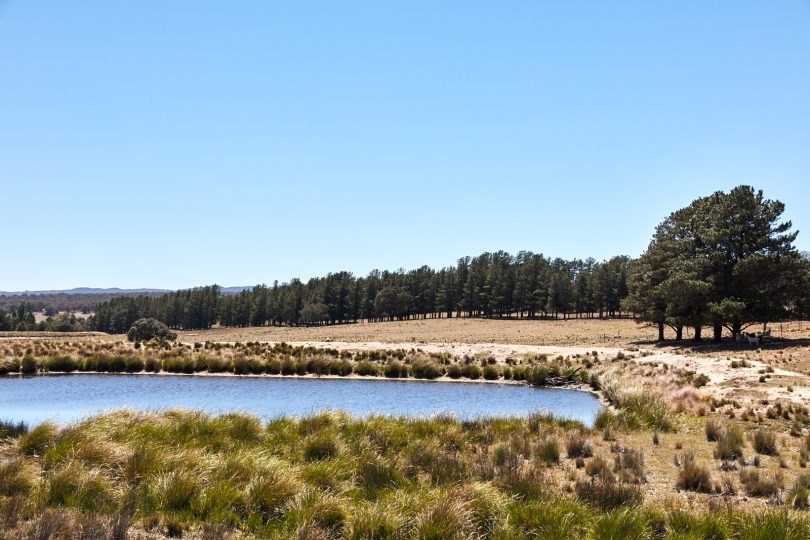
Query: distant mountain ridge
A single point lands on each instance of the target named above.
(107, 291)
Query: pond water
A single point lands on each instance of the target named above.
(70, 397)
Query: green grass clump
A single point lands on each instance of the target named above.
(61, 363)
(37, 440)
(548, 451)
(426, 370)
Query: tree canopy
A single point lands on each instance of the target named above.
(726, 260)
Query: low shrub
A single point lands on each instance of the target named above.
(11, 428)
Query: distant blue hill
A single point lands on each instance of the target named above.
(108, 291)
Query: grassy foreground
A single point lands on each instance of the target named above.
(333, 476)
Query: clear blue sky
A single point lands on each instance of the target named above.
(173, 144)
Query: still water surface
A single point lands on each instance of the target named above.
(71, 397)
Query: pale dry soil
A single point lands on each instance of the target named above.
(502, 339)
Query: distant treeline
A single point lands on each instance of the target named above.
(492, 285)
(51, 304)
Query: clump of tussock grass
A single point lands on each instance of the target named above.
(578, 446)
(17, 478)
(730, 443)
(555, 517)
(320, 447)
(799, 495)
(447, 516)
(692, 476)
(176, 491)
(629, 463)
(623, 523)
(639, 406)
(374, 520)
(714, 429)
(764, 442)
(37, 440)
(758, 484)
(75, 486)
(547, 451)
(315, 508)
(269, 492)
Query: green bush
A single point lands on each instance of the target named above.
(288, 366)
(273, 366)
(146, 329)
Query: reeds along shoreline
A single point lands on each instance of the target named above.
(634, 408)
(334, 476)
(279, 359)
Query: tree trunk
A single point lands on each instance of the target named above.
(660, 331)
(718, 332)
(698, 332)
(678, 333)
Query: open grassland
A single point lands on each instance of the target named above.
(698, 441)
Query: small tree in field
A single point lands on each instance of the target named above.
(146, 329)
